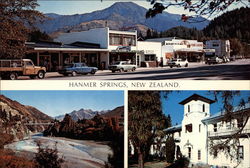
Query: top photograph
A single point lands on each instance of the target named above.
(125, 40)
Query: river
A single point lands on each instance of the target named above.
(76, 153)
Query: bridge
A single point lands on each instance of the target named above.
(38, 124)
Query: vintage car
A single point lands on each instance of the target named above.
(122, 66)
(77, 68)
(12, 68)
(177, 63)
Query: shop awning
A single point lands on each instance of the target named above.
(70, 49)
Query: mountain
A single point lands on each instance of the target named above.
(14, 117)
(82, 114)
(117, 112)
(121, 15)
(100, 127)
(29, 112)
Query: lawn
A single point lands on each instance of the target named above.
(153, 164)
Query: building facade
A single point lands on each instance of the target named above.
(152, 55)
(222, 47)
(101, 47)
(199, 129)
(173, 47)
(54, 55)
(121, 45)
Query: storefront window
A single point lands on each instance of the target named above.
(150, 57)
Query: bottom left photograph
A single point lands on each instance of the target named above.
(61, 129)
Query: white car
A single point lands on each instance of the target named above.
(122, 66)
(178, 63)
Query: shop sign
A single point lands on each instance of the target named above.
(149, 51)
(123, 48)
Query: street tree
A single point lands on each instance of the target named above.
(146, 121)
(229, 145)
(195, 7)
(17, 19)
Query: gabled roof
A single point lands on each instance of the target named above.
(196, 97)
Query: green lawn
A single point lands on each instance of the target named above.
(155, 164)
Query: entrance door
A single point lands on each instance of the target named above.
(91, 59)
(45, 60)
(54, 61)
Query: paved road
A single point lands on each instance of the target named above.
(236, 70)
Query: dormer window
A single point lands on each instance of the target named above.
(203, 108)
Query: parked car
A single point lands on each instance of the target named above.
(214, 60)
(122, 66)
(178, 63)
(77, 68)
(11, 69)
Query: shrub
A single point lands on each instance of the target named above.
(9, 160)
(182, 162)
(48, 158)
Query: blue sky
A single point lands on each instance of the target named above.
(68, 7)
(171, 104)
(56, 103)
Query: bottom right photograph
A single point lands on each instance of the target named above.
(180, 129)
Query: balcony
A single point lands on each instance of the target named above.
(227, 132)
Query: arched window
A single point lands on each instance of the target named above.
(188, 108)
(203, 107)
(189, 152)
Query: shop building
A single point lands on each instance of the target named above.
(152, 55)
(101, 47)
(222, 47)
(53, 55)
(121, 45)
(173, 47)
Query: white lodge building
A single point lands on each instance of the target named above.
(198, 127)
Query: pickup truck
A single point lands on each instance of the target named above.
(77, 68)
(122, 66)
(178, 63)
(11, 69)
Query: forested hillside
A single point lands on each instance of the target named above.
(233, 24)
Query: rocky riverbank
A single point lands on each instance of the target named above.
(76, 153)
